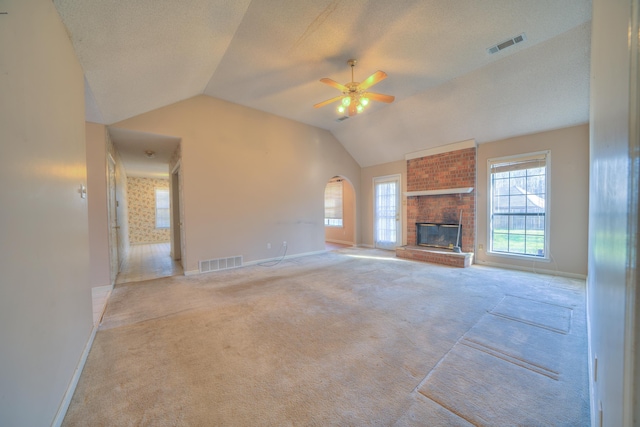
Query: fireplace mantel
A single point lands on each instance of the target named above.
(461, 190)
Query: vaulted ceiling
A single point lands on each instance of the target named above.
(139, 55)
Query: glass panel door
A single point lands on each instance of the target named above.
(387, 224)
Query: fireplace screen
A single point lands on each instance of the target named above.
(438, 235)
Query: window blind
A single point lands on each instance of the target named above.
(333, 200)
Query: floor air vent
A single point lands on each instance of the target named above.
(341, 119)
(505, 44)
(220, 264)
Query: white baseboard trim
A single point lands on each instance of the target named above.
(66, 401)
(268, 260)
(340, 242)
(191, 272)
(531, 270)
(364, 245)
(102, 288)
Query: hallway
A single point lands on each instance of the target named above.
(147, 262)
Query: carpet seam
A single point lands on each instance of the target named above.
(495, 353)
(416, 388)
(530, 323)
(449, 409)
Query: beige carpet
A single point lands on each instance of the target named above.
(353, 337)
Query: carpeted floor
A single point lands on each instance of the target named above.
(352, 337)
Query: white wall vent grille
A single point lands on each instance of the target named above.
(220, 264)
(505, 44)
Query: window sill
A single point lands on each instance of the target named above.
(519, 257)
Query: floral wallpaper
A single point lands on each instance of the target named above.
(142, 210)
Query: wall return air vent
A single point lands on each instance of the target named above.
(505, 44)
(220, 264)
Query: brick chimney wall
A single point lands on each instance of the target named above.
(454, 169)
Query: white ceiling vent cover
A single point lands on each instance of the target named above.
(220, 264)
(505, 44)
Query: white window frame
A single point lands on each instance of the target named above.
(168, 208)
(336, 221)
(547, 237)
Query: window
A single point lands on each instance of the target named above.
(333, 203)
(518, 205)
(162, 208)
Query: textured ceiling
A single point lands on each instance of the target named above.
(139, 55)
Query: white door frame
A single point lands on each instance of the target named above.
(397, 178)
(177, 235)
(112, 219)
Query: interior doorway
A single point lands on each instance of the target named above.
(144, 204)
(387, 215)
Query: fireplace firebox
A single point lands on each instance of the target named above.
(438, 235)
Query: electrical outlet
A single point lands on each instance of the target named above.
(480, 247)
(284, 243)
(268, 245)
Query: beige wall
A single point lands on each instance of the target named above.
(346, 233)
(569, 198)
(366, 197)
(249, 178)
(45, 296)
(613, 297)
(97, 203)
(141, 199)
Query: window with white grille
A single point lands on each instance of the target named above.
(162, 208)
(519, 204)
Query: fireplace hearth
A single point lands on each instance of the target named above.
(437, 235)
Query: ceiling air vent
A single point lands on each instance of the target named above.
(505, 44)
(342, 119)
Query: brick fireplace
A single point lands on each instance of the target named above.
(441, 189)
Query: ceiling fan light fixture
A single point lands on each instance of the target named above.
(354, 94)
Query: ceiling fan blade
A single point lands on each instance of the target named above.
(328, 101)
(373, 79)
(380, 97)
(352, 109)
(335, 84)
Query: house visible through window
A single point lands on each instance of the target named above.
(333, 203)
(162, 208)
(518, 214)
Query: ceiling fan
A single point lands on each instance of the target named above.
(354, 95)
